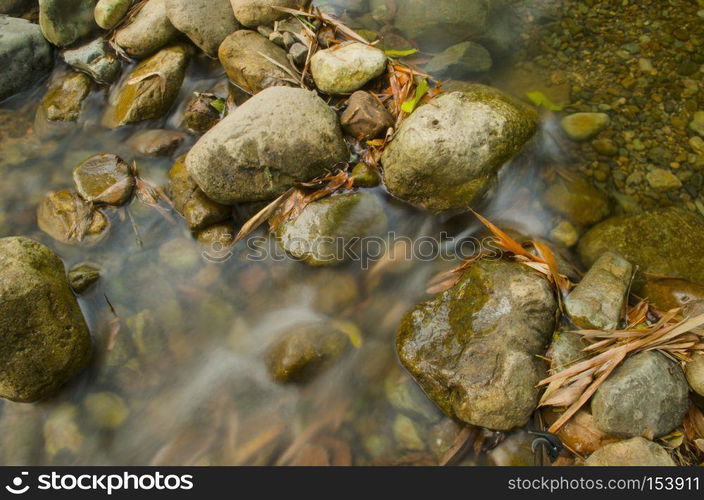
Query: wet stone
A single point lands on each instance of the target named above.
(278, 137)
(82, 277)
(108, 13)
(106, 410)
(473, 349)
(323, 231)
(598, 301)
(694, 371)
(566, 349)
(365, 176)
(44, 339)
(664, 242)
(302, 353)
(299, 53)
(204, 111)
(635, 452)
(199, 211)
(25, 55)
(576, 199)
(667, 294)
(446, 156)
(149, 31)
(66, 21)
(156, 142)
(584, 126)
(365, 117)
(96, 59)
(253, 13)
(206, 22)
(241, 56)
(219, 237)
(104, 178)
(62, 104)
(347, 68)
(646, 395)
(460, 61)
(150, 90)
(67, 218)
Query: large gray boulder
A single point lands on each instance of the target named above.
(44, 340)
(278, 137)
(65, 21)
(474, 349)
(446, 155)
(647, 394)
(206, 22)
(25, 56)
(662, 242)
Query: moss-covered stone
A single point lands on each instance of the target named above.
(150, 90)
(576, 199)
(65, 21)
(322, 232)
(241, 56)
(104, 178)
(303, 352)
(662, 242)
(445, 156)
(598, 302)
(190, 201)
(62, 104)
(277, 138)
(474, 348)
(67, 218)
(148, 31)
(44, 339)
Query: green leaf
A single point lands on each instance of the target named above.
(422, 89)
(540, 99)
(219, 105)
(400, 53)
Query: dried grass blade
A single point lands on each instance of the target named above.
(262, 216)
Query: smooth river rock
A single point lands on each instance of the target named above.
(206, 22)
(647, 394)
(635, 452)
(62, 104)
(278, 137)
(44, 339)
(323, 231)
(65, 21)
(346, 68)
(247, 58)
(664, 241)
(96, 59)
(445, 156)
(109, 13)
(25, 56)
(253, 13)
(149, 31)
(598, 301)
(150, 89)
(474, 349)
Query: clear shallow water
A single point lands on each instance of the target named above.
(185, 353)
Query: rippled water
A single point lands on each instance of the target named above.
(186, 354)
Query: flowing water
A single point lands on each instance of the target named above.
(180, 330)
